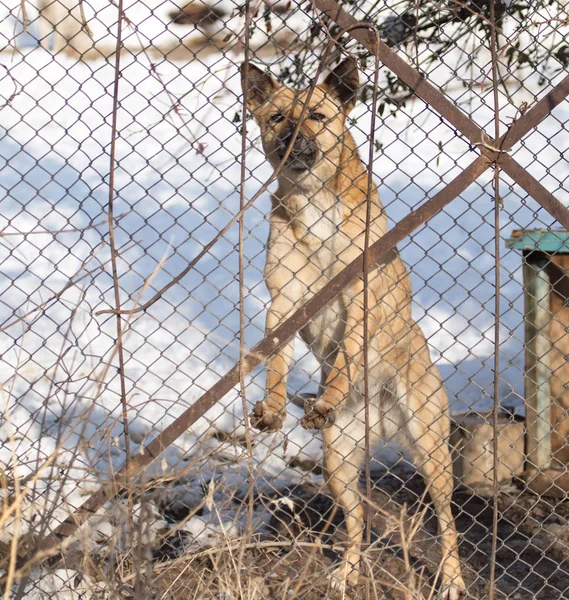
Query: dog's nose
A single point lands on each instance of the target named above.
(300, 143)
(302, 154)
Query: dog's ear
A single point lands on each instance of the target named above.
(343, 83)
(259, 86)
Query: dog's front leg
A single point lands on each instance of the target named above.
(347, 366)
(269, 414)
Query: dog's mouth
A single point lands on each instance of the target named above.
(303, 153)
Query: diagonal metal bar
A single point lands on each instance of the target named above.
(273, 341)
(410, 76)
(493, 149)
(456, 117)
(535, 189)
(434, 97)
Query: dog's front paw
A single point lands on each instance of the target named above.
(264, 419)
(319, 415)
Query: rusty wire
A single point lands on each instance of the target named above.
(371, 156)
(496, 399)
(267, 346)
(152, 451)
(112, 243)
(250, 491)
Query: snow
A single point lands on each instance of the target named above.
(148, 24)
(66, 584)
(177, 184)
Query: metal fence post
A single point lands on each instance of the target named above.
(537, 385)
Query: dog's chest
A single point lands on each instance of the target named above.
(316, 227)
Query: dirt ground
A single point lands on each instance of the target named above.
(296, 559)
(306, 536)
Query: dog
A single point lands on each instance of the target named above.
(317, 227)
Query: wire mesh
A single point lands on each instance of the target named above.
(188, 191)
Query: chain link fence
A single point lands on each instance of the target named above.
(149, 150)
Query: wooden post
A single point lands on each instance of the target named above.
(537, 346)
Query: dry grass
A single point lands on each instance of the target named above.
(146, 543)
(169, 536)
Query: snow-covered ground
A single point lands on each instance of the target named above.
(177, 184)
(147, 24)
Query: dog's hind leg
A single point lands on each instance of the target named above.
(342, 461)
(426, 430)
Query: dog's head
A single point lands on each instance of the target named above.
(278, 109)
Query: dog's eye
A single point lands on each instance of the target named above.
(277, 118)
(316, 116)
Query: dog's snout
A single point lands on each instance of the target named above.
(299, 146)
(303, 152)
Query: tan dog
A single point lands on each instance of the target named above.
(317, 226)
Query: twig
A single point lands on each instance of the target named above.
(25, 20)
(42, 554)
(112, 243)
(247, 423)
(11, 574)
(15, 92)
(84, 24)
(371, 155)
(496, 400)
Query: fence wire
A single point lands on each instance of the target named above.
(225, 374)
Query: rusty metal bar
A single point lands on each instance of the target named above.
(405, 72)
(535, 189)
(436, 98)
(456, 117)
(271, 342)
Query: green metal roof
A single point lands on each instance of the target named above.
(552, 241)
